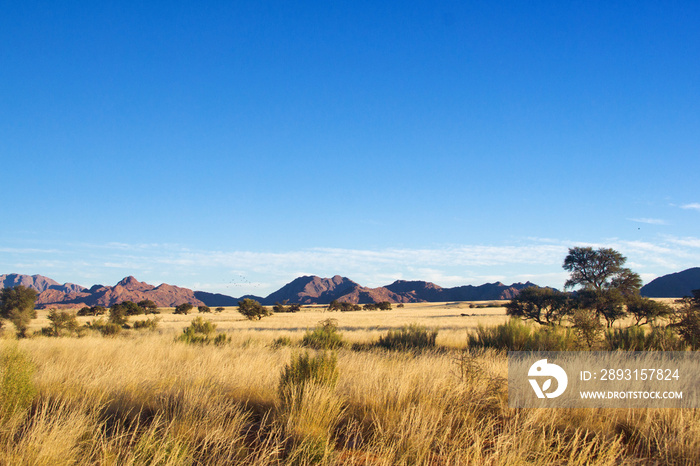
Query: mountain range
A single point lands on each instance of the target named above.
(305, 290)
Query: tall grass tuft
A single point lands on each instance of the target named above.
(635, 338)
(410, 337)
(16, 387)
(309, 409)
(515, 335)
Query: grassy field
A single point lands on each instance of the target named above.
(143, 398)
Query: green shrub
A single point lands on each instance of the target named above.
(219, 309)
(324, 336)
(62, 323)
(92, 311)
(106, 328)
(410, 337)
(118, 315)
(588, 327)
(384, 306)
(303, 369)
(336, 305)
(16, 386)
(284, 307)
(201, 332)
(148, 306)
(183, 308)
(203, 308)
(148, 324)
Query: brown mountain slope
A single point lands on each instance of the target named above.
(128, 289)
(37, 282)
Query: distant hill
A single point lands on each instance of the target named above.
(216, 299)
(674, 285)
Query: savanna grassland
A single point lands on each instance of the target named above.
(260, 398)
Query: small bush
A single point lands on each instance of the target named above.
(148, 324)
(183, 308)
(384, 306)
(410, 337)
(324, 336)
(62, 323)
(107, 329)
(336, 305)
(201, 331)
(149, 306)
(203, 308)
(92, 311)
(118, 315)
(369, 307)
(588, 327)
(16, 386)
(284, 307)
(219, 309)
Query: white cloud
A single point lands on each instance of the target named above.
(693, 206)
(687, 241)
(649, 221)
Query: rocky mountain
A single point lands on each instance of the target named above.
(37, 282)
(313, 289)
(317, 290)
(52, 294)
(674, 285)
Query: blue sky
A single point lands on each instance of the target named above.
(233, 146)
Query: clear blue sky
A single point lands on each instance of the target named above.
(232, 146)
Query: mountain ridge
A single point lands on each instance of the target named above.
(309, 289)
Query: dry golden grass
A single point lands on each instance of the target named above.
(142, 398)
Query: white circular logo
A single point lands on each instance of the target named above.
(542, 369)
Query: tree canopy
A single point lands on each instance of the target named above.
(600, 269)
(17, 305)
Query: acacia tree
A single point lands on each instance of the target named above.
(606, 285)
(545, 306)
(646, 311)
(252, 309)
(17, 305)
